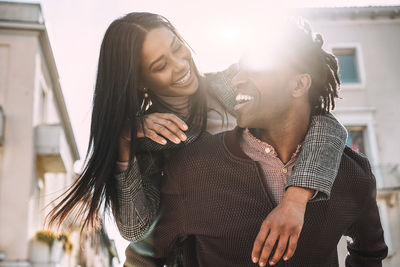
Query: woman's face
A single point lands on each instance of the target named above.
(167, 64)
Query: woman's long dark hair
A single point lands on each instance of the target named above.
(116, 104)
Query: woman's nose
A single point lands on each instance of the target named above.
(180, 64)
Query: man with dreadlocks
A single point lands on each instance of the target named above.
(216, 199)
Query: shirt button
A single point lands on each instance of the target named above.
(267, 150)
(284, 170)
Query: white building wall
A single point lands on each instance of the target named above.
(17, 94)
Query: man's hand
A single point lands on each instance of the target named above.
(282, 225)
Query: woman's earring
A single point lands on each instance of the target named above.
(145, 102)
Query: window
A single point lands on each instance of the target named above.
(356, 138)
(360, 125)
(348, 65)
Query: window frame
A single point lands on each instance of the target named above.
(359, 61)
(364, 117)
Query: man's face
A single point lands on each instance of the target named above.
(263, 95)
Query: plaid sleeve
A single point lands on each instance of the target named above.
(220, 84)
(319, 159)
(138, 203)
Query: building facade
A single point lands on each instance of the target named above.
(37, 143)
(366, 41)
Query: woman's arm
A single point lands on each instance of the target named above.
(319, 159)
(138, 196)
(138, 203)
(138, 192)
(220, 86)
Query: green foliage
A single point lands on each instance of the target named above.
(46, 236)
(68, 247)
(67, 244)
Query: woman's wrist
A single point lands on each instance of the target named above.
(299, 194)
(124, 147)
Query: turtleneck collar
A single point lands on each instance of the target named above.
(178, 104)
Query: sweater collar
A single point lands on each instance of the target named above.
(232, 143)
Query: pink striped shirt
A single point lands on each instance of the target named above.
(275, 171)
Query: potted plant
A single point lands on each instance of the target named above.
(67, 244)
(41, 246)
(56, 250)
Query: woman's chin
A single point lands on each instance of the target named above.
(188, 90)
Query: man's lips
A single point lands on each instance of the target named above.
(242, 99)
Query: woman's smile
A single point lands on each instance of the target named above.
(185, 80)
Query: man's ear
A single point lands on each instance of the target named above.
(302, 84)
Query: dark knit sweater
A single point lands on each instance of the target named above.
(215, 199)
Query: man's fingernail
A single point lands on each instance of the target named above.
(177, 140)
(271, 263)
(255, 259)
(183, 137)
(262, 264)
(285, 258)
(184, 126)
(164, 141)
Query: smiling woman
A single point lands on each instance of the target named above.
(167, 65)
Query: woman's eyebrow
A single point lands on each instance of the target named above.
(160, 57)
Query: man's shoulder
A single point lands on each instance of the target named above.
(356, 166)
(204, 149)
(186, 166)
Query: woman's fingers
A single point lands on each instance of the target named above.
(172, 128)
(155, 137)
(280, 249)
(168, 126)
(268, 247)
(173, 118)
(165, 132)
(161, 126)
(260, 240)
(292, 246)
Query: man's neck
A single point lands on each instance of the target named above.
(285, 135)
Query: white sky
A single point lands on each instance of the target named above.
(76, 28)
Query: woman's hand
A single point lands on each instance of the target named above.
(282, 225)
(158, 126)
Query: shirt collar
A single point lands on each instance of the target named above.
(262, 146)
